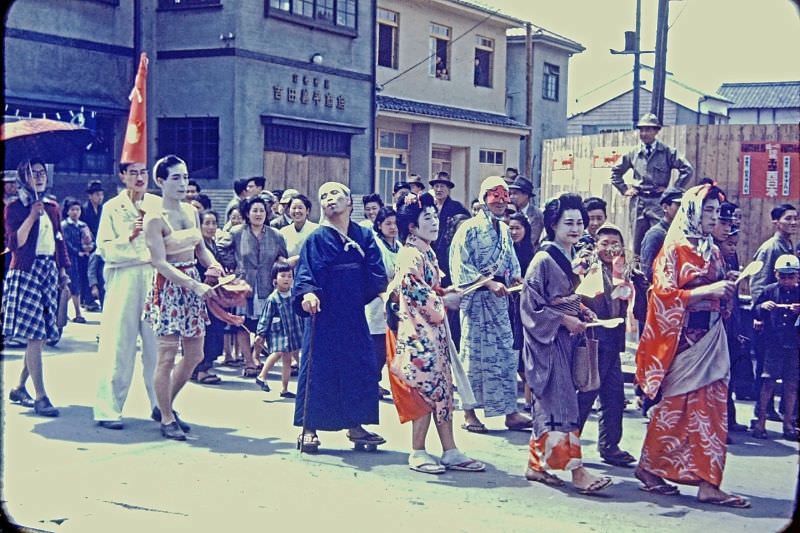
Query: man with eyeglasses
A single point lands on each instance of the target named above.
(129, 274)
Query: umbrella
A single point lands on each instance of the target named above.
(41, 138)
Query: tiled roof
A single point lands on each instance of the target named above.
(779, 94)
(517, 35)
(399, 105)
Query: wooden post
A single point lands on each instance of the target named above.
(529, 102)
(637, 63)
(660, 76)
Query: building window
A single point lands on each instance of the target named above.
(388, 31)
(484, 52)
(550, 82)
(188, 4)
(439, 51)
(441, 159)
(492, 157)
(392, 140)
(195, 140)
(339, 13)
(391, 169)
(306, 141)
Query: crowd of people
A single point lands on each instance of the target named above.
(458, 307)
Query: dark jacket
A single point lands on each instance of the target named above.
(23, 256)
(91, 218)
(651, 244)
(780, 324)
(449, 209)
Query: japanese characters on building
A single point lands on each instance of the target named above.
(309, 90)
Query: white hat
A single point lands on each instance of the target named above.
(787, 264)
(288, 195)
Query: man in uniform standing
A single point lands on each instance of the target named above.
(652, 163)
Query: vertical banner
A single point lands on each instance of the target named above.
(770, 170)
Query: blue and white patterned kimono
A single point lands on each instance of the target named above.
(487, 341)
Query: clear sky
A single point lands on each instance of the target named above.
(710, 42)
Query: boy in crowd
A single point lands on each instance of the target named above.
(778, 309)
(785, 221)
(610, 250)
(279, 328)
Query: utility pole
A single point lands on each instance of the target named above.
(659, 79)
(637, 62)
(529, 101)
(633, 47)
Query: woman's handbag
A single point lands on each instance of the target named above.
(585, 366)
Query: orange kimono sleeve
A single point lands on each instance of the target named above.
(666, 309)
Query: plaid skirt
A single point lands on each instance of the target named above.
(174, 310)
(30, 301)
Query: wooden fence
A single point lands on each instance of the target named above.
(583, 165)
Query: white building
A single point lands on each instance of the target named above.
(441, 105)
(775, 102)
(609, 106)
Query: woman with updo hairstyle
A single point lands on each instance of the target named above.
(554, 321)
(420, 374)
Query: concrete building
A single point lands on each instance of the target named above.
(609, 107)
(281, 88)
(551, 54)
(441, 103)
(776, 102)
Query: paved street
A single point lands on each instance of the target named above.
(240, 471)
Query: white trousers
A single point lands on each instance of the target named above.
(121, 324)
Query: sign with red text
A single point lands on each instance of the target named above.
(770, 170)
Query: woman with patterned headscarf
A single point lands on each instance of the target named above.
(683, 357)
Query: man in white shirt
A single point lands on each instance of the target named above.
(128, 274)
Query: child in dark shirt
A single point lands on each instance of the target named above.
(778, 309)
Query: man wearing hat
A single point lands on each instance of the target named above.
(521, 191)
(723, 229)
(669, 203)
(447, 208)
(283, 219)
(652, 163)
(399, 187)
(416, 185)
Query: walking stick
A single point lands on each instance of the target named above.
(308, 382)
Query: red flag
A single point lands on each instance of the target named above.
(135, 148)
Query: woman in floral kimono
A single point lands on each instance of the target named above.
(421, 380)
(554, 322)
(683, 357)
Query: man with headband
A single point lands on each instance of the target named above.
(482, 250)
(340, 270)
